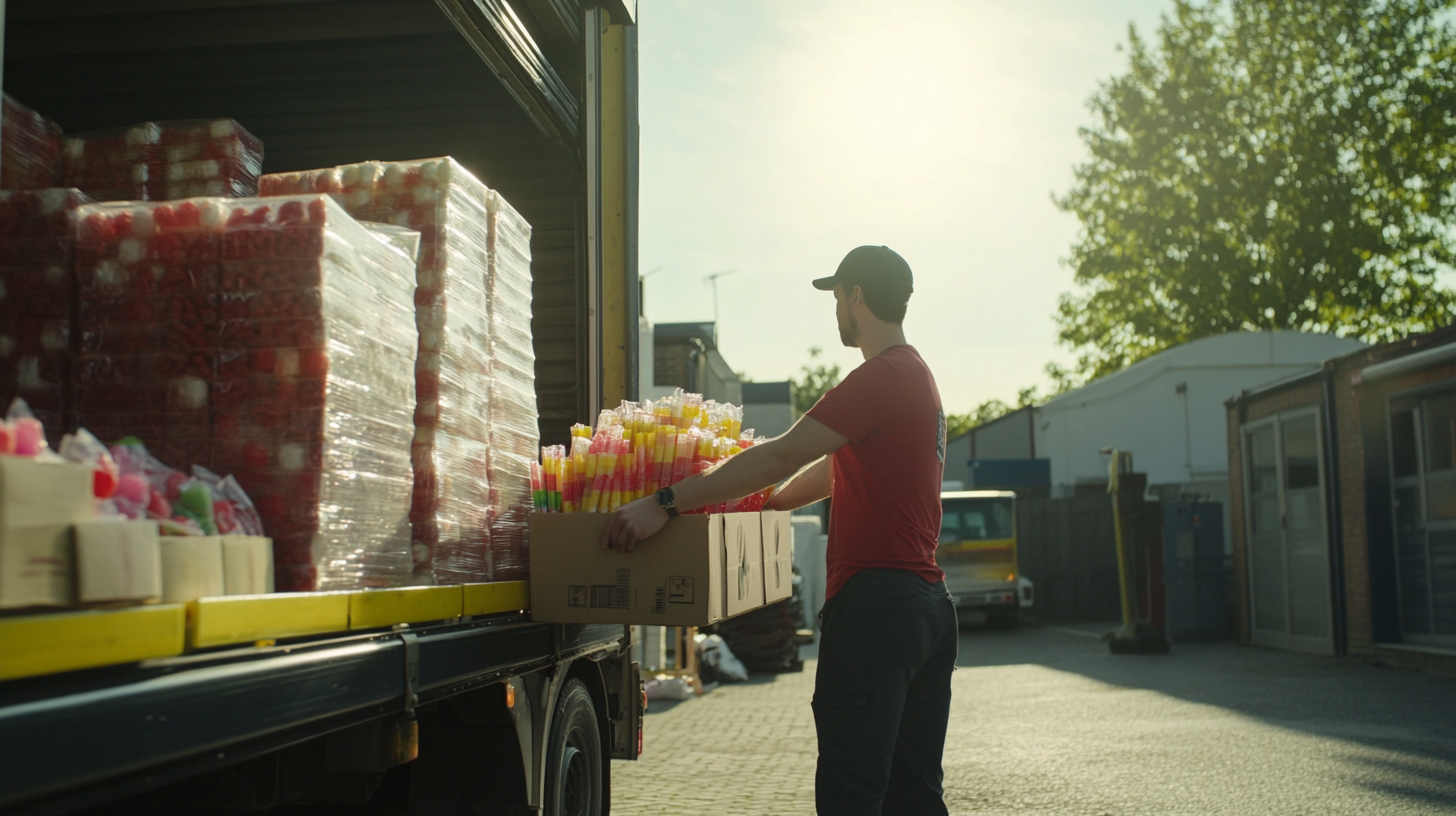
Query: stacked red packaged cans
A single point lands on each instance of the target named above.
(160, 161)
(147, 279)
(272, 339)
(37, 292)
(314, 394)
(514, 429)
(208, 157)
(30, 148)
(118, 164)
(451, 509)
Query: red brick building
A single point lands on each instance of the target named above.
(1343, 505)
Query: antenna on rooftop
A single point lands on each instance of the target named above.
(713, 280)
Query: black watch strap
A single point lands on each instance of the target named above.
(666, 499)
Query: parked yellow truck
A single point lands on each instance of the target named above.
(977, 551)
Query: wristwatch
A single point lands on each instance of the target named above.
(665, 499)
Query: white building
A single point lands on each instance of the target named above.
(1168, 410)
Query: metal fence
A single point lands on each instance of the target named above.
(1066, 547)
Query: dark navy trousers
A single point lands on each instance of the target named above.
(882, 695)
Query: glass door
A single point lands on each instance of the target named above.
(1423, 492)
(1288, 544)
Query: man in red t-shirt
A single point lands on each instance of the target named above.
(875, 444)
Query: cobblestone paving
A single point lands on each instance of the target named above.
(742, 748)
(1046, 721)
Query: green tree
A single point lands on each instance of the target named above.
(1267, 164)
(813, 380)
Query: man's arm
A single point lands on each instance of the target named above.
(743, 474)
(812, 484)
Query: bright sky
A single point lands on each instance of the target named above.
(777, 136)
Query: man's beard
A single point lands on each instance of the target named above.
(849, 331)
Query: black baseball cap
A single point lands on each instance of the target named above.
(878, 270)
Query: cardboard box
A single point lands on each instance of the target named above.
(191, 568)
(35, 494)
(778, 556)
(37, 566)
(118, 561)
(743, 567)
(674, 578)
(247, 565)
(38, 504)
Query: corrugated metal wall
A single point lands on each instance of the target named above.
(323, 82)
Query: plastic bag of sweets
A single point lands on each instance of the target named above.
(314, 391)
(31, 145)
(450, 451)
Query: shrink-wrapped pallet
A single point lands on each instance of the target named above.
(37, 291)
(159, 161)
(451, 508)
(514, 431)
(30, 148)
(312, 406)
(269, 338)
(147, 280)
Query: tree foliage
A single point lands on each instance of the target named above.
(814, 379)
(1267, 164)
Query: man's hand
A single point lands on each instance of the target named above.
(632, 523)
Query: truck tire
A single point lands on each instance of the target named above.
(574, 756)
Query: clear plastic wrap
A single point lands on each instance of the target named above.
(160, 161)
(514, 430)
(452, 506)
(271, 339)
(38, 230)
(31, 145)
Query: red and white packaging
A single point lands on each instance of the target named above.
(30, 148)
(38, 230)
(162, 161)
(466, 527)
(268, 338)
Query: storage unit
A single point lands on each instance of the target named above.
(1343, 538)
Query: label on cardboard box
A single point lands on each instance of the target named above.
(674, 578)
(118, 561)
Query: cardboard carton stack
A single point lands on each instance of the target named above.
(267, 338)
(696, 571)
(159, 161)
(30, 148)
(451, 511)
(38, 504)
(37, 285)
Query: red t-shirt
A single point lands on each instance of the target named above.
(886, 495)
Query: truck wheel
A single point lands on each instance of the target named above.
(574, 761)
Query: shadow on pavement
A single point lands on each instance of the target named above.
(1411, 715)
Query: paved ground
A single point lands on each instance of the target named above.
(1047, 721)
